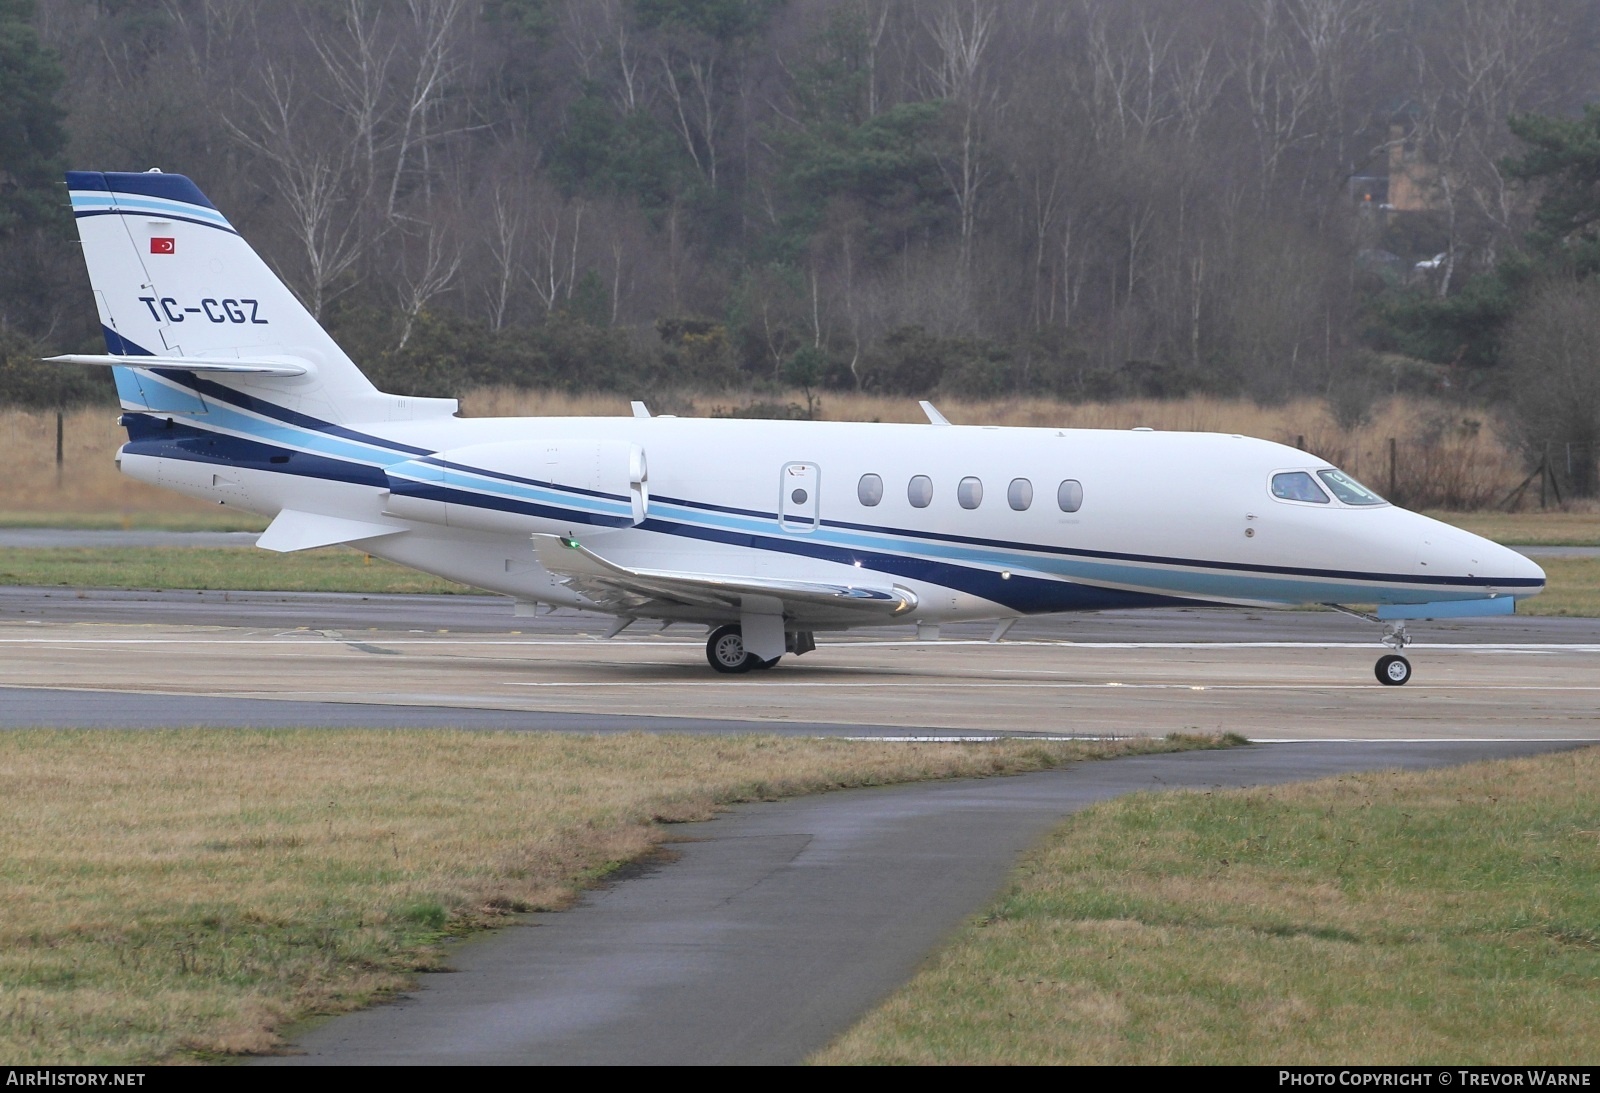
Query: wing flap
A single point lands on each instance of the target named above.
(619, 588)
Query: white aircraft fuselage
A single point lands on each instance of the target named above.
(768, 530)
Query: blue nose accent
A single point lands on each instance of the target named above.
(1450, 609)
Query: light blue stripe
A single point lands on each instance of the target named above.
(137, 203)
(493, 487)
(296, 436)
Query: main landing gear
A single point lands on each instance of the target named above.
(725, 651)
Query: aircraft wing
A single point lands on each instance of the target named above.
(631, 591)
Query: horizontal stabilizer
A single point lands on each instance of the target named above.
(1449, 609)
(620, 589)
(295, 530)
(265, 366)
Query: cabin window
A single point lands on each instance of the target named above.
(970, 493)
(920, 492)
(1020, 494)
(869, 491)
(1297, 486)
(1069, 495)
(1348, 490)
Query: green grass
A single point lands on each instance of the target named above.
(332, 569)
(182, 894)
(1448, 917)
(1573, 589)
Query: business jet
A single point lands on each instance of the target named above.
(765, 532)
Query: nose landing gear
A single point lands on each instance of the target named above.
(1392, 670)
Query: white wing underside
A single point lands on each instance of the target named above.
(293, 530)
(626, 591)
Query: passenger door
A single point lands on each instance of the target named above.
(799, 486)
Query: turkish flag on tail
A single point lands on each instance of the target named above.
(163, 245)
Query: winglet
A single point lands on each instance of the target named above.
(639, 409)
(934, 416)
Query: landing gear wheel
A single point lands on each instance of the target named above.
(1393, 671)
(725, 651)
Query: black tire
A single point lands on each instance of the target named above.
(725, 651)
(764, 664)
(1393, 671)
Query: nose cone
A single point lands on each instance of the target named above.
(1450, 552)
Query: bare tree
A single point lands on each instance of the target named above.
(958, 74)
(1482, 65)
(428, 268)
(315, 179)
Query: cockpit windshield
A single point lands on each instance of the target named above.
(1297, 486)
(1348, 490)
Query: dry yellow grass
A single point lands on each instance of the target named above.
(181, 894)
(88, 480)
(1443, 917)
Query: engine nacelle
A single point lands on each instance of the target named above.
(522, 486)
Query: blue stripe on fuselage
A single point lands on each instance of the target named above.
(169, 438)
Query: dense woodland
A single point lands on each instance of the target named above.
(1085, 198)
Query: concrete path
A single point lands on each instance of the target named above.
(1558, 551)
(780, 924)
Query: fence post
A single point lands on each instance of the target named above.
(1545, 473)
(1393, 478)
(59, 449)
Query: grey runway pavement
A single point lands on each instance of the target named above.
(470, 614)
(780, 924)
(141, 660)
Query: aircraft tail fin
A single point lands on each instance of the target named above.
(175, 282)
